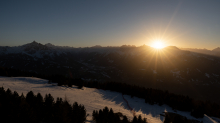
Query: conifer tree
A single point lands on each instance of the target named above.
(134, 119)
(125, 119)
(139, 119)
(30, 97)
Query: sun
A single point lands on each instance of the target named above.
(158, 45)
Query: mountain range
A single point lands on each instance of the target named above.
(182, 71)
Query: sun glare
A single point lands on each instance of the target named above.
(158, 45)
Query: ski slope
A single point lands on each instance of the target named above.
(95, 99)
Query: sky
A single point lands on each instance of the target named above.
(85, 23)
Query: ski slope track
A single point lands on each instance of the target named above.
(95, 99)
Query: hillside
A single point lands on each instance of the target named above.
(94, 99)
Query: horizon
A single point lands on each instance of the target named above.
(115, 46)
(188, 24)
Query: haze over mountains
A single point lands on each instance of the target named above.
(215, 52)
(177, 70)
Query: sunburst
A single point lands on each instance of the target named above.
(158, 45)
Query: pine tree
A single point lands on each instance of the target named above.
(125, 119)
(145, 120)
(134, 119)
(39, 98)
(139, 119)
(30, 97)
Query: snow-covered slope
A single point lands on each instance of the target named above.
(94, 99)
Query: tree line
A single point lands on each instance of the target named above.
(108, 116)
(152, 96)
(35, 109)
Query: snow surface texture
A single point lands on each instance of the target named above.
(95, 99)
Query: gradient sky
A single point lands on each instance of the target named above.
(82, 23)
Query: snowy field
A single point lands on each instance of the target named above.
(95, 99)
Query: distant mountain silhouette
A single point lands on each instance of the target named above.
(49, 45)
(169, 68)
(214, 52)
(216, 49)
(172, 47)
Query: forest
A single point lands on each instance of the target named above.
(35, 109)
(152, 96)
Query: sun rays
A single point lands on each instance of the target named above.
(159, 57)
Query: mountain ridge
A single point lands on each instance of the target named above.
(171, 68)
